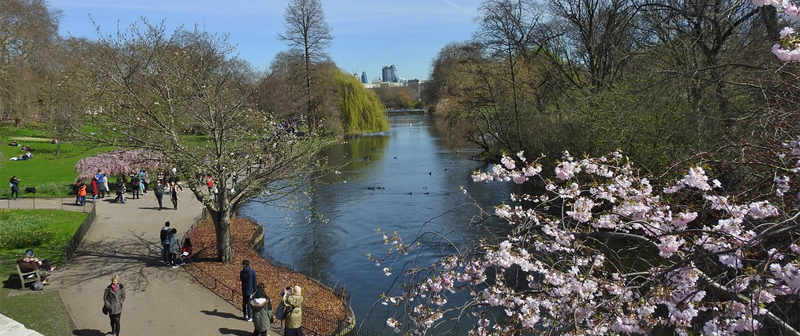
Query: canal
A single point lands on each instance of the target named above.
(407, 180)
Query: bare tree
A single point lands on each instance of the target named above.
(28, 29)
(182, 95)
(307, 31)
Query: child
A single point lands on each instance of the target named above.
(186, 251)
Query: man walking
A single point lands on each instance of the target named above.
(248, 278)
(165, 242)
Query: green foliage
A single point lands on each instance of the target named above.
(42, 311)
(52, 174)
(362, 111)
(48, 229)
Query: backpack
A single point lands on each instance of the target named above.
(37, 286)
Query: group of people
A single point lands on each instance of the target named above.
(172, 250)
(139, 185)
(257, 306)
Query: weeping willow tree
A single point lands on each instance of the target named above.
(361, 109)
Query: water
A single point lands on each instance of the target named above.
(421, 173)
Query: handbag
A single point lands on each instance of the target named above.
(280, 312)
(105, 310)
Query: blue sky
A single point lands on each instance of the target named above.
(367, 34)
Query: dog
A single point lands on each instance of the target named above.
(30, 190)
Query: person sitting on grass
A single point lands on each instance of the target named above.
(29, 264)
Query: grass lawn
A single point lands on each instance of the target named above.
(51, 174)
(41, 311)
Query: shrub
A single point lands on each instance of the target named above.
(54, 188)
(19, 232)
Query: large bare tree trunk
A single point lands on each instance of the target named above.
(222, 225)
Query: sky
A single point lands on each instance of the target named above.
(367, 34)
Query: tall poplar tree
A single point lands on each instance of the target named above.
(308, 32)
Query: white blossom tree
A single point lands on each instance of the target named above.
(603, 249)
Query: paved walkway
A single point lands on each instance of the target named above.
(124, 240)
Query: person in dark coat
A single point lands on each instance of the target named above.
(113, 298)
(262, 311)
(159, 191)
(248, 279)
(165, 243)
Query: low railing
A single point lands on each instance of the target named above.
(77, 238)
(315, 322)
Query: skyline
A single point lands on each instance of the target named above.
(366, 35)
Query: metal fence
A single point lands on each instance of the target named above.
(315, 322)
(77, 238)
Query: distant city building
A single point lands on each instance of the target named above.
(364, 77)
(389, 74)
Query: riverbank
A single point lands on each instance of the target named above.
(223, 278)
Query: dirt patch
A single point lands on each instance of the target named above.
(223, 278)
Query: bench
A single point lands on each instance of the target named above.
(26, 277)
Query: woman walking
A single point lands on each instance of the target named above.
(14, 184)
(159, 191)
(262, 311)
(294, 313)
(113, 298)
(173, 194)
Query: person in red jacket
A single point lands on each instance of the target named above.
(94, 188)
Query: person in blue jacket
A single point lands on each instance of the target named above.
(248, 278)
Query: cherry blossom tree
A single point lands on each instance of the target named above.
(183, 95)
(603, 249)
(118, 162)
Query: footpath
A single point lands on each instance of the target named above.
(124, 241)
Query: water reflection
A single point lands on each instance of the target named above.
(404, 180)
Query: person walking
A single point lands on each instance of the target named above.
(262, 311)
(173, 194)
(248, 278)
(113, 298)
(165, 243)
(144, 181)
(14, 184)
(159, 191)
(135, 186)
(294, 313)
(94, 188)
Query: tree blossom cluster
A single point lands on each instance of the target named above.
(788, 49)
(118, 162)
(603, 250)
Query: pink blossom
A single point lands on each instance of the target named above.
(669, 245)
(792, 12)
(786, 31)
(785, 54)
(567, 170)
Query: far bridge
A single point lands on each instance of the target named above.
(406, 111)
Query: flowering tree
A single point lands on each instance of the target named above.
(118, 162)
(183, 95)
(602, 249)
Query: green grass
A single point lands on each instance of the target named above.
(51, 174)
(41, 311)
